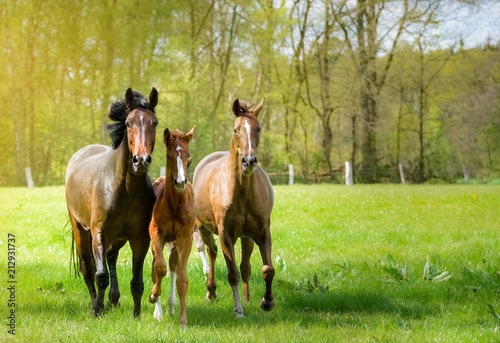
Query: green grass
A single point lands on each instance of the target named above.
(334, 279)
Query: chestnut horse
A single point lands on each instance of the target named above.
(172, 223)
(110, 199)
(234, 198)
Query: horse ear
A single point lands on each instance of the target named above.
(153, 97)
(166, 135)
(236, 107)
(188, 136)
(129, 99)
(258, 107)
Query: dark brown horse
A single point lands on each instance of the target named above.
(234, 198)
(172, 223)
(110, 199)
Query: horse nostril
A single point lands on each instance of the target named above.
(148, 160)
(254, 161)
(135, 160)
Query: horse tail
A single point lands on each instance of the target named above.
(74, 261)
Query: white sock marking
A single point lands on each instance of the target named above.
(172, 300)
(206, 267)
(158, 314)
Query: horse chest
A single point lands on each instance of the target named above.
(173, 221)
(129, 214)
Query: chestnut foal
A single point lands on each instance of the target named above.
(172, 223)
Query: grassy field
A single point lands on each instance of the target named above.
(350, 268)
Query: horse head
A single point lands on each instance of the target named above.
(246, 133)
(178, 156)
(141, 125)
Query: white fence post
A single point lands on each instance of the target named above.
(401, 174)
(348, 173)
(290, 174)
(163, 171)
(29, 179)
(466, 175)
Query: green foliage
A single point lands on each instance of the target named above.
(391, 267)
(432, 274)
(61, 71)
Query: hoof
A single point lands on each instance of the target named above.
(239, 312)
(210, 298)
(266, 305)
(97, 312)
(152, 299)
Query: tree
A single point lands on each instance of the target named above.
(360, 25)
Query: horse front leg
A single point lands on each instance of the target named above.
(183, 249)
(159, 269)
(233, 275)
(112, 257)
(140, 247)
(101, 275)
(247, 245)
(267, 303)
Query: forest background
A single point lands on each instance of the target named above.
(373, 82)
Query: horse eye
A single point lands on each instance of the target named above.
(258, 130)
(155, 123)
(235, 131)
(128, 124)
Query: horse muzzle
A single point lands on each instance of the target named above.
(141, 163)
(248, 164)
(180, 185)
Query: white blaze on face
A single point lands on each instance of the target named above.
(180, 167)
(142, 137)
(247, 126)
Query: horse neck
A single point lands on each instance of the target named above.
(171, 194)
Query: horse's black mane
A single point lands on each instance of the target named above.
(118, 112)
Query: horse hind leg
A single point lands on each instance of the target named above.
(83, 243)
(208, 239)
(198, 241)
(247, 245)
